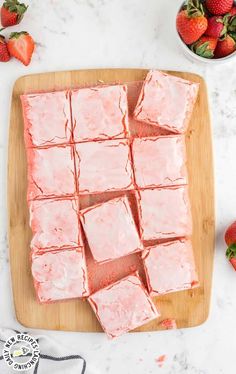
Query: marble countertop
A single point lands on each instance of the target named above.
(79, 34)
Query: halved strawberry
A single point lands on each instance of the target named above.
(205, 46)
(12, 12)
(21, 46)
(4, 54)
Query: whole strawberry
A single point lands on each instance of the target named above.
(225, 47)
(4, 54)
(191, 22)
(230, 234)
(21, 46)
(12, 12)
(219, 7)
(205, 46)
(217, 26)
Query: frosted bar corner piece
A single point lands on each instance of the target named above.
(166, 101)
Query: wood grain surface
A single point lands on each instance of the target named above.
(189, 308)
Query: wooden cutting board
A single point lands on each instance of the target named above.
(189, 308)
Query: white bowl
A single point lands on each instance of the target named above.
(193, 56)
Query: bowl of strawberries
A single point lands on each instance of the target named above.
(207, 29)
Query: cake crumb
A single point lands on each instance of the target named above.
(169, 324)
(160, 360)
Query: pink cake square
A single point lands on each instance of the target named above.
(55, 224)
(164, 213)
(47, 118)
(100, 113)
(166, 101)
(60, 275)
(170, 267)
(104, 166)
(123, 306)
(110, 230)
(51, 172)
(159, 161)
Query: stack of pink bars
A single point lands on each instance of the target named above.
(79, 143)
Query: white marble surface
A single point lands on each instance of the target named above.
(74, 34)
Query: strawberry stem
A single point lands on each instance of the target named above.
(231, 251)
(232, 25)
(195, 8)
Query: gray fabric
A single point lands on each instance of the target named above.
(54, 358)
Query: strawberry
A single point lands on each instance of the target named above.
(231, 255)
(12, 12)
(219, 7)
(217, 26)
(225, 47)
(230, 239)
(191, 22)
(230, 234)
(205, 46)
(4, 54)
(21, 46)
(232, 12)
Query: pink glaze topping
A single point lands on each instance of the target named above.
(159, 161)
(123, 306)
(54, 224)
(165, 213)
(170, 267)
(104, 166)
(110, 230)
(166, 101)
(51, 172)
(47, 118)
(100, 113)
(60, 275)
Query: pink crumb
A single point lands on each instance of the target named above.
(169, 324)
(132, 268)
(160, 360)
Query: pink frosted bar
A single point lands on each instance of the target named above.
(166, 101)
(159, 161)
(51, 172)
(164, 213)
(100, 113)
(104, 166)
(47, 118)
(170, 267)
(60, 275)
(110, 230)
(123, 306)
(55, 224)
